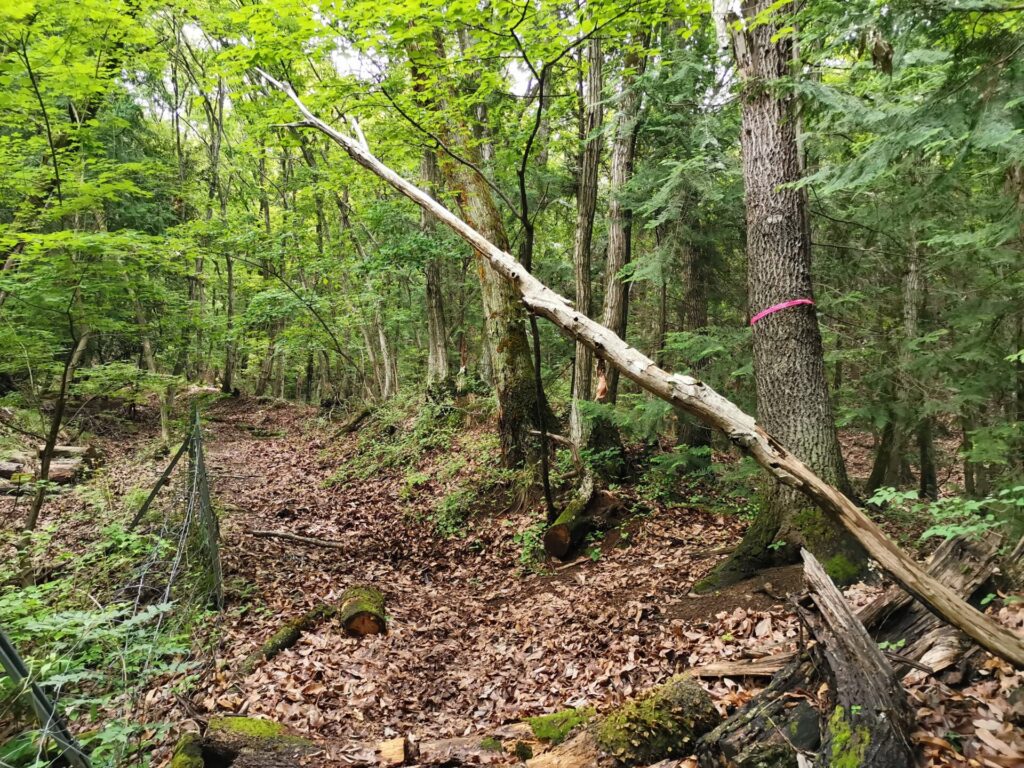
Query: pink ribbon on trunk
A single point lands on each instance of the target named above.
(775, 308)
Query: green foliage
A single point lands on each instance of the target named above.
(92, 646)
(530, 541)
(957, 516)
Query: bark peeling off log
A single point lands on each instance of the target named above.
(699, 400)
(865, 722)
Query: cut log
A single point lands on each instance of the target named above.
(10, 468)
(66, 471)
(287, 636)
(573, 524)
(662, 723)
(864, 721)
(392, 752)
(696, 398)
(362, 611)
(589, 511)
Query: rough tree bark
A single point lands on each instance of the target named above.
(620, 217)
(698, 399)
(586, 206)
(507, 342)
(693, 317)
(793, 399)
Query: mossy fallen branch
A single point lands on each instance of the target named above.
(287, 636)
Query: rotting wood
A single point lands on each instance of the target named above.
(865, 719)
(361, 611)
(664, 722)
(698, 399)
(765, 667)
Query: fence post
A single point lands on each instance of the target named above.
(46, 711)
(210, 528)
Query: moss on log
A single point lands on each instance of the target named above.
(287, 636)
(661, 724)
(362, 611)
(243, 742)
(589, 510)
(555, 727)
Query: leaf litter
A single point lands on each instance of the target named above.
(473, 642)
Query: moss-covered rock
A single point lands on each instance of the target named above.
(662, 723)
(554, 728)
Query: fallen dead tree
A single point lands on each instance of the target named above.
(696, 398)
(926, 645)
(849, 705)
(361, 612)
(287, 636)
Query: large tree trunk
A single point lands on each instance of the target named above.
(586, 206)
(620, 217)
(507, 344)
(793, 399)
(698, 399)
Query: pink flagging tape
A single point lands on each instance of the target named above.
(784, 305)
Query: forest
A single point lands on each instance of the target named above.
(551, 383)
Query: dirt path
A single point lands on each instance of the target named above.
(472, 642)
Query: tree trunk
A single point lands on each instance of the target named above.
(793, 399)
(620, 217)
(586, 207)
(693, 314)
(697, 398)
(438, 370)
(508, 346)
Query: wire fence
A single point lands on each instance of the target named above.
(180, 573)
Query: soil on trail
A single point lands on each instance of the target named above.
(472, 641)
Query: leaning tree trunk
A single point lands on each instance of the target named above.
(586, 206)
(789, 368)
(698, 399)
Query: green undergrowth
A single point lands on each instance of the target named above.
(97, 627)
(446, 464)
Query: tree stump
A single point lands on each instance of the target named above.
(864, 719)
(362, 611)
